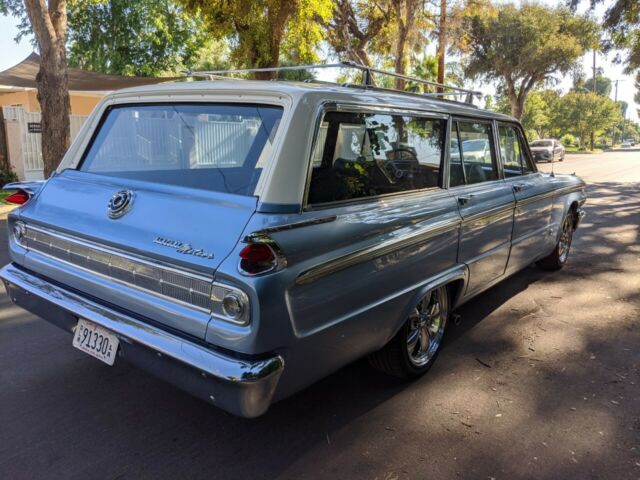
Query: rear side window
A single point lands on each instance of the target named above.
(472, 158)
(208, 146)
(359, 155)
(514, 157)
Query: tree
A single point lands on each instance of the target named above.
(622, 22)
(603, 84)
(48, 20)
(353, 28)
(145, 37)
(264, 31)
(538, 117)
(407, 14)
(584, 114)
(523, 47)
(442, 42)
(392, 31)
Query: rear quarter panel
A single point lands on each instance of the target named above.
(351, 278)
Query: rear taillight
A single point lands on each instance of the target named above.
(257, 258)
(18, 198)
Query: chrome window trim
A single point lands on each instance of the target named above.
(328, 106)
(527, 149)
(492, 144)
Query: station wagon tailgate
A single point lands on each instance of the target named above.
(169, 241)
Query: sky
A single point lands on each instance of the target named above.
(12, 53)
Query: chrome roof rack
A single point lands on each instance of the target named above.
(443, 90)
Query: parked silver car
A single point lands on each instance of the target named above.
(548, 150)
(243, 239)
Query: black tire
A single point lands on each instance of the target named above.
(558, 258)
(395, 358)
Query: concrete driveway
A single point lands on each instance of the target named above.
(540, 380)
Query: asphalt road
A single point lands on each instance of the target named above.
(540, 380)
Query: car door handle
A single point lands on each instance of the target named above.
(518, 187)
(464, 199)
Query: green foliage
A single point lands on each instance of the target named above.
(538, 112)
(583, 114)
(264, 32)
(603, 85)
(622, 22)
(7, 175)
(17, 9)
(522, 47)
(426, 69)
(568, 140)
(145, 37)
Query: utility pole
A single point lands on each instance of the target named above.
(442, 44)
(594, 89)
(615, 130)
(594, 72)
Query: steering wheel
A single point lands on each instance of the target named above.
(400, 168)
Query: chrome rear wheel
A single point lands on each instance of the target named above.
(564, 244)
(558, 257)
(416, 345)
(426, 327)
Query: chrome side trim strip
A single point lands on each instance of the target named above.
(494, 212)
(549, 194)
(259, 235)
(369, 253)
(186, 288)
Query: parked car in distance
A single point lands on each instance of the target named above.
(243, 239)
(548, 149)
(628, 143)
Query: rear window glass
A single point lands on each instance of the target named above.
(213, 147)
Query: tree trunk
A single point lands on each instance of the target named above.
(55, 106)
(49, 23)
(442, 43)
(517, 106)
(400, 61)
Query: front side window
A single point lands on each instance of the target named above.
(360, 155)
(516, 161)
(471, 158)
(218, 147)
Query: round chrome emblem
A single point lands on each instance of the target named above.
(120, 203)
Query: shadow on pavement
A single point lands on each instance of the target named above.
(535, 382)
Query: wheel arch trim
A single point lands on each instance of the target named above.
(457, 274)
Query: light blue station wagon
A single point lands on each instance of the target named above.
(243, 239)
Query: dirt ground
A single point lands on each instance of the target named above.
(540, 380)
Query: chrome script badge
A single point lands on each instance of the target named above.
(182, 247)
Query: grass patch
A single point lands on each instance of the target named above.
(578, 150)
(4, 194)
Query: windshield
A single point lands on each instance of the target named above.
(541, 143)
(216, 147)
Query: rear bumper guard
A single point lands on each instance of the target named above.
(241, 387)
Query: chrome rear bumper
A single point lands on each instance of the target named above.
(239, 386)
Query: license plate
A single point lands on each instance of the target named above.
(96, 341)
